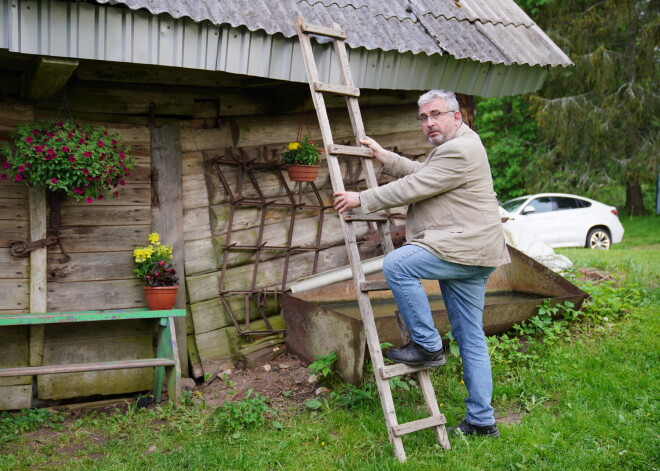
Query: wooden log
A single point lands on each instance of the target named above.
(151, 74)
(212, 314)
(14, 113)
(16, 397)
(45, 77)
(91, 266)
(121, 347)
(138, 194)
(84, 214)
(205, 286)
(13, 190)
(200, 257)
(12, 209)
(196, 224)
(90, 296)
(102, 238)
(13, 231)
(38, 271)
(167, 218)
(13, 267)
(14, 345)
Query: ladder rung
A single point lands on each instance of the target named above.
(336, 149)
(409, 427)
(374, 286)
(336, 89)
(373, 217)
(323, 31)
(399, 369)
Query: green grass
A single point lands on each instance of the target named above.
(588, 403)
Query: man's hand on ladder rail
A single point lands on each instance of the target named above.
(345, 200)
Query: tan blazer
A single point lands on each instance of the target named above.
(453, 210)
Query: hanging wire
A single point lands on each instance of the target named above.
(64, 105)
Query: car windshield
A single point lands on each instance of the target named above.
(513, 205)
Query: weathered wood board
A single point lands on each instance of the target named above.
(92, 342)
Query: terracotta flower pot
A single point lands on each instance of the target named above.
(303, 173)
(160, 298)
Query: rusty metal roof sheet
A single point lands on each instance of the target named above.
(495, 31)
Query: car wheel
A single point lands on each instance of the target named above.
(599, 238)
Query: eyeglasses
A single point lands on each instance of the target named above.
(434, 115)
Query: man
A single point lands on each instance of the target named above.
(454, 235)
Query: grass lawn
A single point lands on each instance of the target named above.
(578, 394)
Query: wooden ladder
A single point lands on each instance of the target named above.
(383, 372)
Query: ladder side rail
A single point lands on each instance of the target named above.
(432, 407)
(358, 129)
(369, 323)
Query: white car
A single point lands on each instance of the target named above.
(562, 220)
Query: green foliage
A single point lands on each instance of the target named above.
(322, 365)
(510, 137)
(80, 160)
(599, 118)
(252, 411)
(352, 396)
(153, 263)
(304, 152)
(27, 420)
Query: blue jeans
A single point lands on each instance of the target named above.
(463, 289)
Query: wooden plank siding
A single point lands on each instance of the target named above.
(15, 393)
(100, 237)
(207, 208)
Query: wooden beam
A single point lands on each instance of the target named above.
(46, 76)
(38, 271)
(167, 216)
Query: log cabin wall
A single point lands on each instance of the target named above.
(216, 115)
(213, 337)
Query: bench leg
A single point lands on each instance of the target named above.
(167, 348)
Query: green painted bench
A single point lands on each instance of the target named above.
(166, 351)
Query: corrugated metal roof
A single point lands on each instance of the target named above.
(102, 32)
(495, 31)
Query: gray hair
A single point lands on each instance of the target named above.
(448, 97)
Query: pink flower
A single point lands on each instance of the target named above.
(65, 149)
(21, 168)
(99, 197)
(18, 178)
(85, 171)
(82, 141)
(90, 199)
(79, 191)
(122, 155)
(6, 165)
(87, 154)
(161, 263)
(53, 180)
(99, 143)
(72, 158)
(28, 140)
(3, 176)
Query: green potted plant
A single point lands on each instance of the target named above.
(153, 266)
(302, 160)
(79, 160)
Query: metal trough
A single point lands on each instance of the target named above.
(327, 318)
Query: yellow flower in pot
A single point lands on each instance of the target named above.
(302, 160)
(153, 266)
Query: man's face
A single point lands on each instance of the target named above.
(442, 128)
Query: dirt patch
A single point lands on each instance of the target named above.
(284, 380)
(595, 275)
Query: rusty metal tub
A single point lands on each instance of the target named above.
(327, 319)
